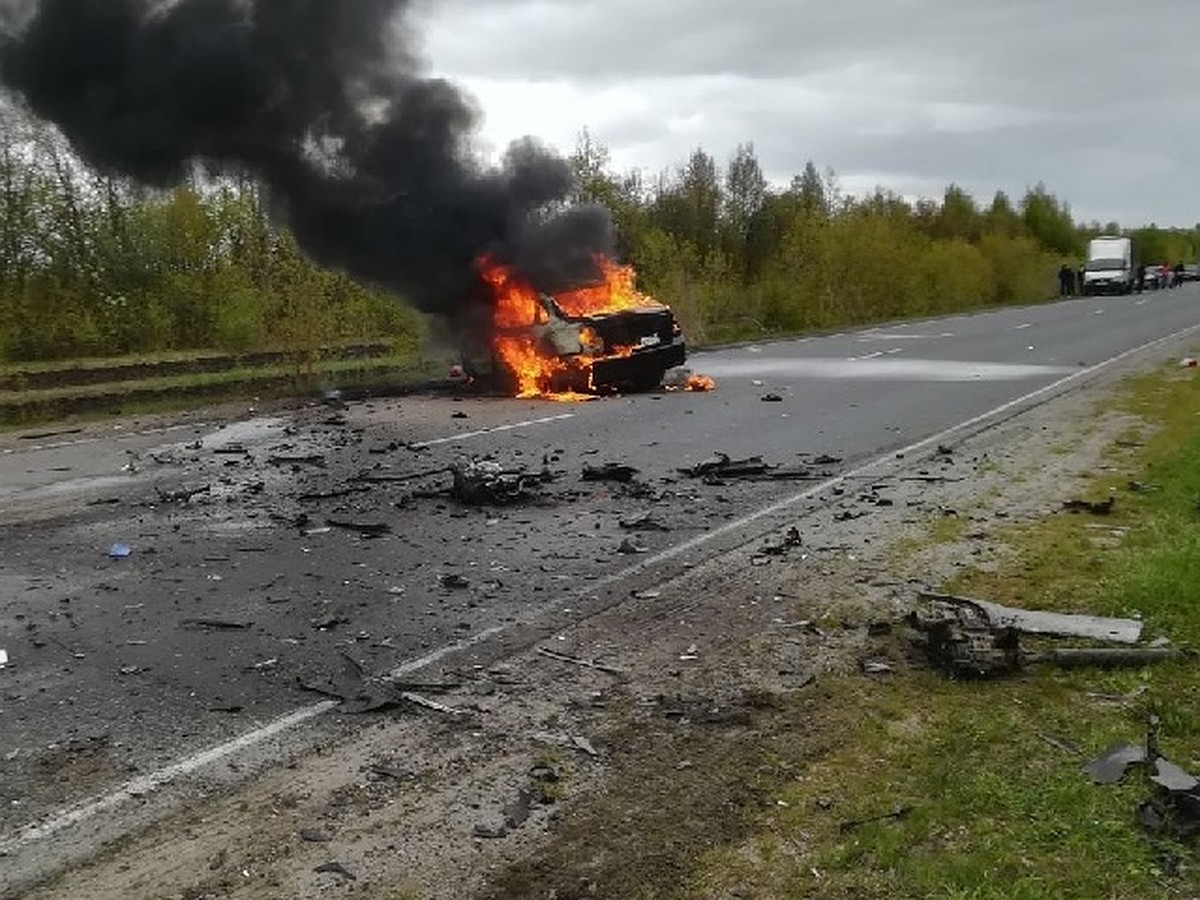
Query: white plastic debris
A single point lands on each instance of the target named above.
(3, 658)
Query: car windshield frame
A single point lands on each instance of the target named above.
(1104, 265)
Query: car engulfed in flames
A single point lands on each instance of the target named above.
(598, 338)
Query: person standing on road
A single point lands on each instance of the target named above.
(1066, 281)
(1177, 278)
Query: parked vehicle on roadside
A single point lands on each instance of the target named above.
(1110, 267)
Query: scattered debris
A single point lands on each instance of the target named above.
(1138, 487)
(182, 495)
(482, 482)
(314, 836)
(771, 398)
(120, 551)
(1174, 807)
(3, 658)
(617, 472)
(1096, 507)
(453, 581)
(577, 661)
(628, 546)
(826, 460)
(1122, 631)
(234, 449)
(877, 667)
(361, 693)
(978, 639)
(722, 466)
(790, 541)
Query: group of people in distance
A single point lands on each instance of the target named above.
(1070, 281)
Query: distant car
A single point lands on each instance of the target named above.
(1153, 279)
(1190, 273)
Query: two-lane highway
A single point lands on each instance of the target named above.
(243, 584)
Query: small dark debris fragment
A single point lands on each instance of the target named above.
(490, 830)
(335, 868)
(460, 415)
(628, 546)
(722, 466)
(617, 472)
(312, 459)
(364, 529)
(826, 460)
(900, 812)
(214, 625)
(1096, 507)
(453, 581)
(314, 836)
(771, 398)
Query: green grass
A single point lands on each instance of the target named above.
(997, 811)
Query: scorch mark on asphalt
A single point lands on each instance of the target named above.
(144, 784)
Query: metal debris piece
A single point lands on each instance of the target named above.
(617, 472)
(1173, 778)
(453, 581)
(233, 449)
(482, 482)
(120, 551)
(1096, 507)
(1122, 631)
(1111, 766)
(771, 398)
(877, 667)
(3, 658)
(723, 466)
(364, 529)
(643, 522)
(628, 546)
(335, 868)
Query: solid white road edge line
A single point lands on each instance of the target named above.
(146, 783)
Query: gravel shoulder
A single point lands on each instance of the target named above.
(527, 781)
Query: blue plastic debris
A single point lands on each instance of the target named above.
(120, 551)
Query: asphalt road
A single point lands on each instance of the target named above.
(234, 598)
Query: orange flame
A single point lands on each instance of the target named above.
(517, 306)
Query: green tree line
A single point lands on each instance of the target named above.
(736, 257)
(92, 266)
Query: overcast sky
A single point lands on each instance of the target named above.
(1099, 99)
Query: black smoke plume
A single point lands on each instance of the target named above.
(367, 160)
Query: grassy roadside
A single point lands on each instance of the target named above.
(913, 785)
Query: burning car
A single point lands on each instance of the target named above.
(597, 338)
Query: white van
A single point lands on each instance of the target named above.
(1110, 267)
